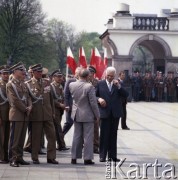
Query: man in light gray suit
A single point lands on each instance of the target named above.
(84, 111)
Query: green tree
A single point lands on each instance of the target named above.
(21, 31)
(88, 41)
(60, 35)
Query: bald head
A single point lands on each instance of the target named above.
(84, 73)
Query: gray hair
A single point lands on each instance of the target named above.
(110, 69)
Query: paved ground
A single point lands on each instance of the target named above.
(152, 141)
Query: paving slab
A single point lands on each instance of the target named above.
(148, 150)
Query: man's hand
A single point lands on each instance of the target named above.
(67, 108)
(62, 106)
(102, 102)
(117, 83)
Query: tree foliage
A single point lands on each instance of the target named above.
(25, 35)
(21, 29)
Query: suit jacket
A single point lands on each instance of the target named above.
(113, 99)
(19, 104)
(4, 104)
(42, 110)
(85, 108)
(67, 95)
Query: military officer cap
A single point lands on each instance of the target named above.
(4, 69)
(37, 67)
(92, 69)
(56, 73)
(18, 66)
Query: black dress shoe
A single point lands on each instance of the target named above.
(63, 149)
(88, 162)
(14, 164)
(96, 151)
(73, 161)
(41, 152)
(102, 160)
(114, 159)
(36, 161)
(27, 150)
(22, 162)
(52, 161)
(126, 128)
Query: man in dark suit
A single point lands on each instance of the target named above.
(109, 98)
(124, 102)
(68, 102)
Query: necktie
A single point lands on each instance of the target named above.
(109, 86)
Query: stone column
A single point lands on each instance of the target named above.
(122, 63)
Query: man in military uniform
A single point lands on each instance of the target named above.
(159, 86)
(148, 83)
(58, 96)
(28, 145)
(176, 84)
(94, 82)
(20, 107)
(137, 85)
(4, 115)
(170, 84)
(42, 115)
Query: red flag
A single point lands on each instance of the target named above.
(92, 58)
(105, 57)
(71, 61)
(100, 66)
(82, 58)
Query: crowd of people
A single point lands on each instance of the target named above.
(157, 87)
(35, 103)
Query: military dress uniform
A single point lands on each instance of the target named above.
(148, 83)
(4, 116)
(19, 101)
(41, 116)
(94, 82)
(58, 96)
(159, 86)
(137, 86)
(170, 84)
(176, 84)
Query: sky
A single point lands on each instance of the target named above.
(92, 15)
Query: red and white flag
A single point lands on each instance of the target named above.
(100, 66)
(105, 57)
(82, 58)
(71, 61)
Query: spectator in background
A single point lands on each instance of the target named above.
(124, 102)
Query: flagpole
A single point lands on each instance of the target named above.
(67, 71)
